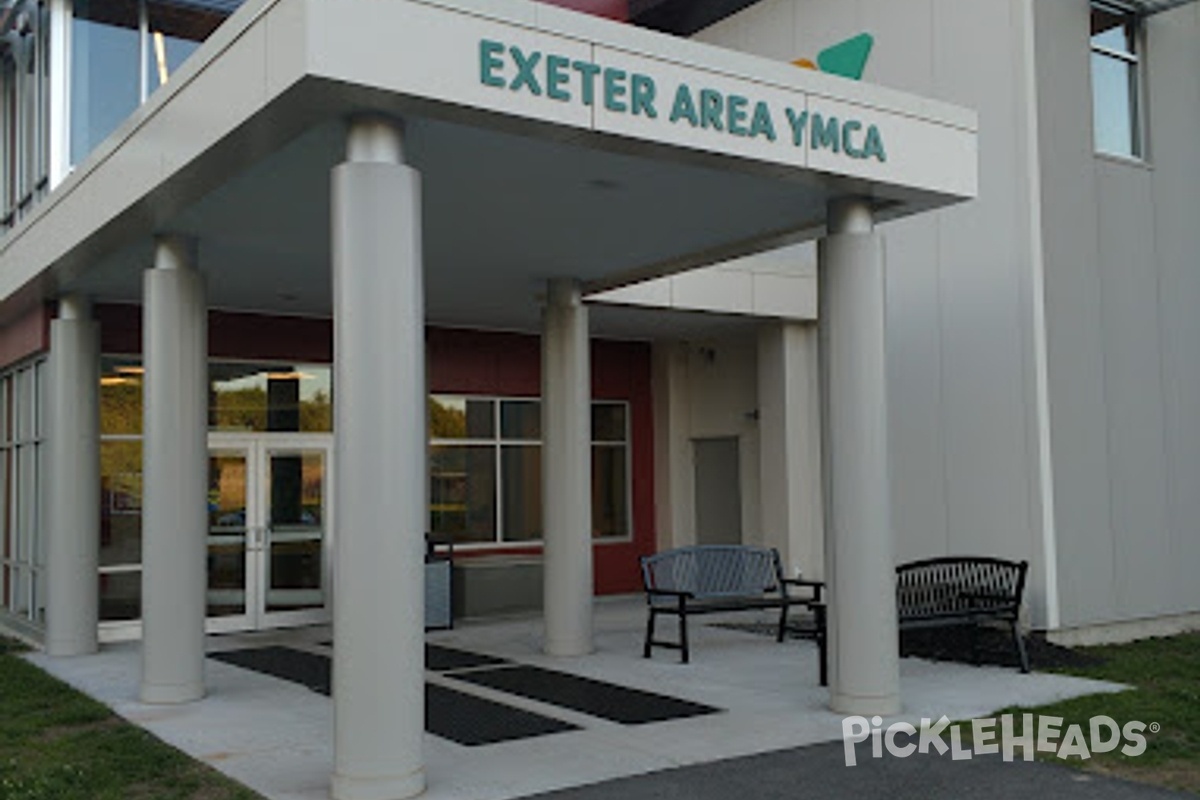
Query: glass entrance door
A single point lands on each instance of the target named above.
(269, 531)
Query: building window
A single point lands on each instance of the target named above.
(485, 469)
(122, 50)
(1115, 80)
(24, 108)
(242, 397)
(22, 458)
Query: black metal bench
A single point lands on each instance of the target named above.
(711, 578)
(955, 590)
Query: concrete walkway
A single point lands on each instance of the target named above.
(276, 736)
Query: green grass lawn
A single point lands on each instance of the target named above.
(57, 744)
(1165, 674)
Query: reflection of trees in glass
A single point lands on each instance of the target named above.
(239, 409)
(121, 474)
(316, 413)
(246, 410)
(446, 422)
(121, 406)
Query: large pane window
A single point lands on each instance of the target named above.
(485, 469)
(105, 61)
(175, 30)
(122, 50)
(1115, 62)
(22, 492)
(24, 107)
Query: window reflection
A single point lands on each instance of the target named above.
(1115, 80)
(175, 31)
(277, 398)
(486, 483)
(270, 398)
(104, 70)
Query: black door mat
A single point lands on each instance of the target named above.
(443, 659)
(450, 714)
(588, 696)
(473, 721)
(297, 666)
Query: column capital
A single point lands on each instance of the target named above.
(850, 214)
(563, 292)
(375, 138)
(175, 251)
(74, 307)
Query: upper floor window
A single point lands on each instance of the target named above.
(122, 50)
(24, 107)
(1115, 80)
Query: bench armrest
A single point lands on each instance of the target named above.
(817, 587)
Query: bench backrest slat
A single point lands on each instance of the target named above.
(713, 570)
(951, 585)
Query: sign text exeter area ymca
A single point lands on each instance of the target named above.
(561, 79)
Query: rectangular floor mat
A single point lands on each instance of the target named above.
(297, 666)
(439, 658)
(443, 659)
(450, 714)
(588, 696)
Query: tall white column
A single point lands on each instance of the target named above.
(859, 566)
(73, 513)
(380, 459)
(174, 474)
(790, 444)
(566, 471)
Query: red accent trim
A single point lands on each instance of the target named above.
(233, 335)
(28, 335)
(459, 362)
(611, 9)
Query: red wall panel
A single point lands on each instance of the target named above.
(28, 335)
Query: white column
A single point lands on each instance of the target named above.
(566, 471)
(789, 422)
(174, 474)
(380, 465)
(859, 567)
(73, 513)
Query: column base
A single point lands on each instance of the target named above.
(865, 705)
(69, 648)
(396, 787)
(172, 693)
(566, 648)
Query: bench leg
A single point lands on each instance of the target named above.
(649, 634)
(1019, 641)
(782, 623)
(822, 644)
(684, 655)
(975, 643)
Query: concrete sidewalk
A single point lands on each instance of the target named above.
(276, 736)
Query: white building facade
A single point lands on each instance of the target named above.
(286, 285)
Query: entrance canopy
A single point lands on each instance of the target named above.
(550, 144)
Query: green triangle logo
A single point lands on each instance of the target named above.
(847, 59)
